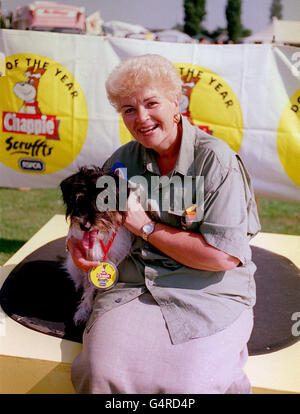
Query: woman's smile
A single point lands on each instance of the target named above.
(148, 130)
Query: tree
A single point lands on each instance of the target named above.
(233, 15)
(194, 12)
(2, 23)
(276, 9)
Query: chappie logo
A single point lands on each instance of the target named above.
(29, 120)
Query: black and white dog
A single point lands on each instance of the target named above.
(90, 225)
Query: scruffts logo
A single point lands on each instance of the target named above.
(210, 103)
(29, 121)
(44, 117)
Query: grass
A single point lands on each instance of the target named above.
(23, 213)
(279, 217)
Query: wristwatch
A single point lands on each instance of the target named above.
(147, 229)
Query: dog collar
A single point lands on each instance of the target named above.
(106, 275)
(110, 242)
(31, 103)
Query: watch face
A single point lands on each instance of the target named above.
(148, 228)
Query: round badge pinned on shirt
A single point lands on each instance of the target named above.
(120, 170)
(189, 217)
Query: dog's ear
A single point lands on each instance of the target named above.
(66, 188)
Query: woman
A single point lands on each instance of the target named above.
(181, 315)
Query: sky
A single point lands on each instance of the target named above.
(164, 14)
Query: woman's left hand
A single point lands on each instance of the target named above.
(136, 216)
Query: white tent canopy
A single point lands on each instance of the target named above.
(121, 29)
(174, 36)
(93, 24)
(279, 31)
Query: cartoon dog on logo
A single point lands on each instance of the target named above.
(184, 104)
(27, 91)
(185, 98)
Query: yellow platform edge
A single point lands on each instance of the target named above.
(36, 363)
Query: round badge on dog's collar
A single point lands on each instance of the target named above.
(104, 276)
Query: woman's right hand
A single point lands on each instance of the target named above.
(78, 253)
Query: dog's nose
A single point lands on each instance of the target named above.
(85, 228)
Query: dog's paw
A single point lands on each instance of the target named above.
(81, 316)
(77, 284)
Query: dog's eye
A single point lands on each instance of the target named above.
(79, 195)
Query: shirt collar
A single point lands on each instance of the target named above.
(186, 154)
(150, 161)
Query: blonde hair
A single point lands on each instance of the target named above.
(140, 71)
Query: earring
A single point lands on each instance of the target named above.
(177, 118)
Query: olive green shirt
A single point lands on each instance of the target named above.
(194, 303)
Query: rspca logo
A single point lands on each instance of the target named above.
(27, 164)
